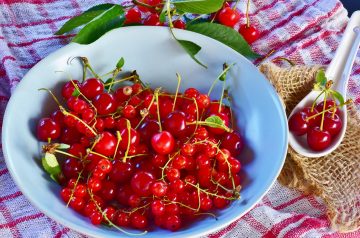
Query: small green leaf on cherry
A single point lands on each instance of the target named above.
(120, 63)
(215, 122)
(76, 93)
(321, 78)
(63, 146)
(338, 96)
(51, 165)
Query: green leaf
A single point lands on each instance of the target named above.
(120, 63)
(111, 19)
(321, 77)
(75, 93)
(226, 35)
(198, 6)
(108, 81)
(162, 17)
(338, 96)
(84, 18)
(215, 121)
(192, 49)
(51, 165)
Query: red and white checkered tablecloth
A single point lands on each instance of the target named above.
(306, 31)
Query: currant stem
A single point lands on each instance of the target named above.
(115, 73)
(323, 113)
(73, 190)
(119, 80)
(87, 65)
(177, 89)
(222, 95)
(314, 103)
(90, 151)
(67, 154)
(226, 68)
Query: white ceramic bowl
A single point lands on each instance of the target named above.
(156, 57)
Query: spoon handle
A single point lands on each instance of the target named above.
(340, 67)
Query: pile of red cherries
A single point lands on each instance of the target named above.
(140, 157)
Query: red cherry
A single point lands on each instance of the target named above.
(129, 111)
(332, 124)
(224, 118)
(96, 218)
(228, 16)
(250, 33)
(106, 144)
(318, 140)
(232, 142)
(311, 112)
(191, 93)
(121, 172)
(138, 220)
(175, 122)
(203, 101)
(70, 136)
(163, 142)
(134, 138)
(173, 223)
(147, 129)
(152, 20)
(68, 88)
(105, 103)
(123, 93)
(47, 128)
(329, 104)
(159, 188)
(92, 87)
(141, 183)
(158, 208)
(179, 24)
(58, 117)
(298, 124)
(132, 16)
(71, 168)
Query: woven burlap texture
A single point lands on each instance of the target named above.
(335, 177)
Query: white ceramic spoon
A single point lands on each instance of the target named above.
(338, 71)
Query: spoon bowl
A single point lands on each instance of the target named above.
(339, 72)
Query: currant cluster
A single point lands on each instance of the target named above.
(138, 155)
(319, 129)
(227, 16)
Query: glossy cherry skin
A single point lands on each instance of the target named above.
(163, 142)
(104, 103)
(92, 87)
(329, 104)
(228, 16)
(152, 20)
(175, 122)
(134, 138)
(141, 183)
(147, 129)
(311, 112)
(332, 124)
(318, 140)
(233, 143)
(250, 33)
(106, 144)
(298, 124)
(47, 128)
(133, 16)
(68, 88)
(179, 24)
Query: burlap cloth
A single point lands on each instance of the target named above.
(336, 177)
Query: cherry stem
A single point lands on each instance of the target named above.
(222, 96)
(323, 113)
(226, 68)
(168, 12)
(128, 126)
(247, 14)
(158, 107)
(119, 81)
(88, 101)
(115, 73)
(67, 154)
(118, 135)
(211, 194)
(236, 3)
(314, 103)
(329, 109)
(90, 151)
(177, 89)
(87, 65)
(52, 95)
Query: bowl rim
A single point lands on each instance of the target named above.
(83, 230)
